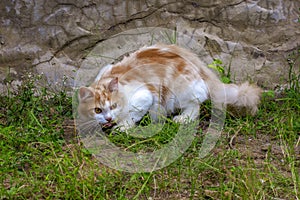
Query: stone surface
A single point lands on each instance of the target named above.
(56, 37)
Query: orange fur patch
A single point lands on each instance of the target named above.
(162, 92)
(120, 69)
(156, 53)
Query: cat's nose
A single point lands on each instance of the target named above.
(108, 119)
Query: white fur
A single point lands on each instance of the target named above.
(200, 90)
(138, 104)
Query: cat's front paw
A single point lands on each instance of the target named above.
(123, 127)
(182, 119)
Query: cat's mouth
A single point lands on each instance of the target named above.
(109, 124)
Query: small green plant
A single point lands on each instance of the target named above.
(217, 65)
(294, 70)
(173, 37)
(28, 102)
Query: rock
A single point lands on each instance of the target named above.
(252, 38)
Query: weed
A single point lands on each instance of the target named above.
(294, 70)
(217, 65)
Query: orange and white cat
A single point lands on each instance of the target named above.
(158, 80)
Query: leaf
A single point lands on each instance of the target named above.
(217, 62)
(225, 79)
(213, 66)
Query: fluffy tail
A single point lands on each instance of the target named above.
(237, 96)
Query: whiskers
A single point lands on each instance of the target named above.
(88, 127)
(92, 136)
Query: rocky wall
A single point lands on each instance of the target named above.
(54, 37)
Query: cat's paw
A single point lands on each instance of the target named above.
(123, 127)
(182, 119)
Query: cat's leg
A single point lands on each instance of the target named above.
(134, 115)
(190, 101)
(138, 106)
(189, 113)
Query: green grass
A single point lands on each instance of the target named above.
(41, 157)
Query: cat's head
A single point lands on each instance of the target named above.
(102, 102)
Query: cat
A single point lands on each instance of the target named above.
(158, 80)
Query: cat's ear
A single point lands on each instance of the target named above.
(85, 93)
(113, 84)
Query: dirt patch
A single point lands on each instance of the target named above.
(262, 147)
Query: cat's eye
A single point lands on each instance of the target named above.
(98, 110)
(113, 106)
